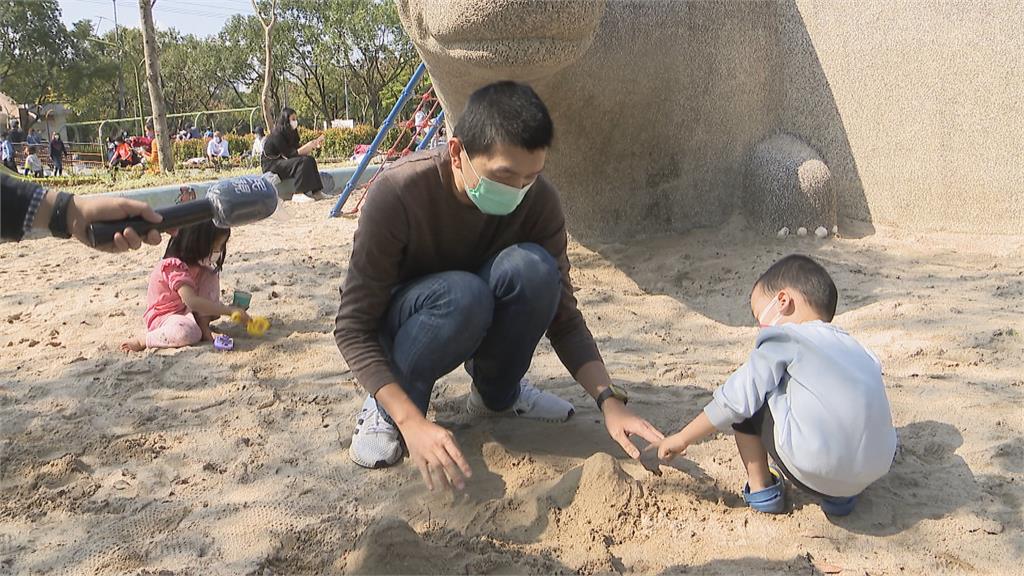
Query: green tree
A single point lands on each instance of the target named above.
(90, 83)
(34, 48)
(319, 47)
(242, 39)
(371, 46)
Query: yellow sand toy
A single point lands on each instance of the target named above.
(257, 326)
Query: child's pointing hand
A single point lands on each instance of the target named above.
(672, 446)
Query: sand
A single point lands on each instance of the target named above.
(198, 462)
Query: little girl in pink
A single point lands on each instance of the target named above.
(184, 290)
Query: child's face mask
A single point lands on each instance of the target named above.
(774, 306)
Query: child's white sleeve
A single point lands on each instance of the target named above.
(745, 391)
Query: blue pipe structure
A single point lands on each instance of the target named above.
(381, 133)
(430, 133)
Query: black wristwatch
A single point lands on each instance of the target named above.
(612, 391)
(59, 217)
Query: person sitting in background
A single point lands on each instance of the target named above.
(153, 158)
(123, 156)
(33, 138)
(57, 153)
(33, 166)
(17, 136)
(283, 156)
(257, 142)
(217, 149)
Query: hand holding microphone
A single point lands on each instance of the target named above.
(230, 202)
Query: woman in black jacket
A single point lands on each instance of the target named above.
(283, 156)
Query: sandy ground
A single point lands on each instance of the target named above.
(198, 462)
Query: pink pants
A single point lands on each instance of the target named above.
(180, 330)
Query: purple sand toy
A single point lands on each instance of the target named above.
(223, 343)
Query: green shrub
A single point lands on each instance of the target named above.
(185, 149)
(339, 143)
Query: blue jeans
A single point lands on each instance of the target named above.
(491, 321)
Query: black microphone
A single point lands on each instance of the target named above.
(229, 202)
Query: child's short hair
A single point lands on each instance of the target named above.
(803, 274)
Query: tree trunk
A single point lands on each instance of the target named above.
(268, 29)
(373, 99)
(156, 95)
(267, 68)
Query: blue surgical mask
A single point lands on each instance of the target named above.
(494, 198)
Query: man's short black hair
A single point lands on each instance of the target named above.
(806, 276)
(504, 113)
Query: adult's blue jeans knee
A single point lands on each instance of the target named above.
(432, 326)
(526, 285)
(491, 320)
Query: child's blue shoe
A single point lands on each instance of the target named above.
(771, 500)
(838, 506)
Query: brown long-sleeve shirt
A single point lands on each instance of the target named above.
(412, 225)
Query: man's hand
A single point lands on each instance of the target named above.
(434, 451)
(622, 423)
(84, 211)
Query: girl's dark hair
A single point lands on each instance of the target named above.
(284, 126)
(192, 244)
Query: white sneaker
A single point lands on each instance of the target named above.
(376, 442)
(302, 198)
(532, 403)
(318, 195)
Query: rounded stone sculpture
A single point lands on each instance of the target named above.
(659, 104)
(656, 104)
(788, 186)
